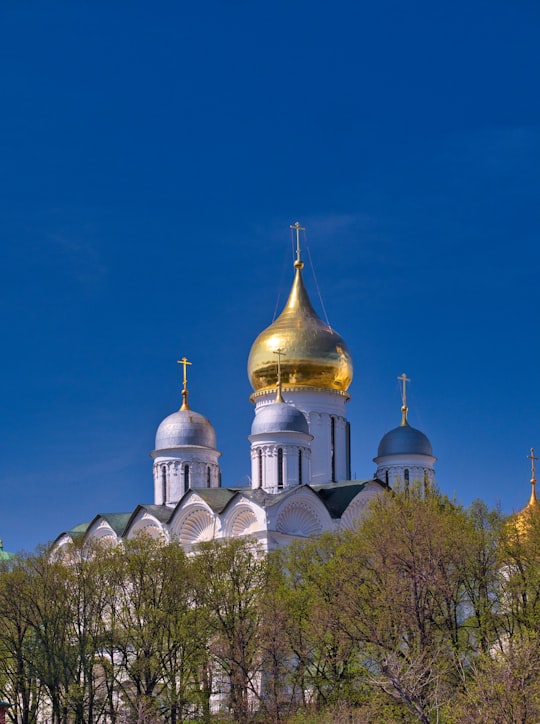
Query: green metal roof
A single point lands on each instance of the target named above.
(117, 521)
(78, 530)
(337, 496)
(264, 499)
(161, 512)
(4, 555)
(215, 498)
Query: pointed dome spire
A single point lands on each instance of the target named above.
(316, 355)
(523, 518)
(533, 502)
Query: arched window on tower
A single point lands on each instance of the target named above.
(406, 476)
(164, 484)
(300, 467)
(260, 467)
(386, 479)
(280, 467)
(186, 477)
(208, 478)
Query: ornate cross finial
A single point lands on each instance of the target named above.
(404, 409)
(185, 362)
(280, 353)
(299, 264)
(404, 379)
(533, 459)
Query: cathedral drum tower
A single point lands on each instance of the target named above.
(315, 373)
(185, 456)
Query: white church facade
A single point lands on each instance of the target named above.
(300, 370)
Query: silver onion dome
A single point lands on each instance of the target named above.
(404, 440)
(279, 417)
(185, 427)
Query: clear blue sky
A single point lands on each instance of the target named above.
(153, 155)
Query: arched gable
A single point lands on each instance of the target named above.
(106, 528)
(193, 521)
(144, 523)
(100, 531)
(243, 517)
(301, 514)
(356, 509)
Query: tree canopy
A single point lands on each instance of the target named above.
(425, 612)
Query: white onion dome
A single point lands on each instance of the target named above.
(314, 355)
(404, 440)
(185, 427)
(279, 417)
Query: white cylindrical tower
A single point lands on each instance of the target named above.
(185, 455)
(316, 371)
(280, 447)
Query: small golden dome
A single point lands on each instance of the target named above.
(524, 519)
(313, 354)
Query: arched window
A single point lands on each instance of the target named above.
(164, 483)
(280, 467)
(186, 477)
(260, 471)
(406, 476)
(299, 467)
(208, 476)
(386, 479)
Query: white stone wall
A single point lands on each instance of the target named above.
(419, 467)
(269, 445)
(171, 464)
(319, 407)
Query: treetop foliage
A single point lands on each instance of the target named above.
(426, 612)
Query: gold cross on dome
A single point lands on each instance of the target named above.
(280, 352)
(298, 263)
(404, 379)
(185, 362)
(533, 459)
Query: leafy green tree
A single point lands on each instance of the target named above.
(404, 597)
(230, 578)
(501, 686)
(483, 579)
(324, 665)
(157, 633)
(18, 681)
(519, 564)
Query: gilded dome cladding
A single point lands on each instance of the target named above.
(314, 355)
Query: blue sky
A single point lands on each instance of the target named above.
(152, 157)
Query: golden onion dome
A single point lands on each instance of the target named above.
(313, 354)
(525, 518)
